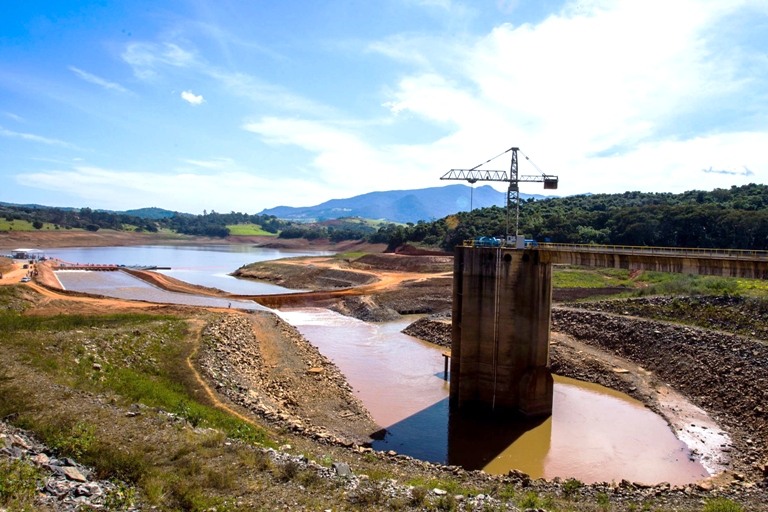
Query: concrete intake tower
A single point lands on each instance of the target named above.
(500, 331)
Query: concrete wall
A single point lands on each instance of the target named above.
(683, 264)
(501, 323)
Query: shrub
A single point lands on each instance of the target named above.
(18, 483)
(722, 505)
(571, 486)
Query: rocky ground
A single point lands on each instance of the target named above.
(65, 484)
(722, 373)
(264, 365)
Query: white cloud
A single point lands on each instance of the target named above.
(226, 188)
(101, 82)
(145, 58)
(192, 98)
(14, 117)
(31, 137)
(215, 163)
(615, 78)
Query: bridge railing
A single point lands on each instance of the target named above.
(745, 254)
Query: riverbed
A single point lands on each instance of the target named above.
(594, 434)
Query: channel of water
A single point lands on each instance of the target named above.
(594, 433)
(206, 265)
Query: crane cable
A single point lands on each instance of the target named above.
(491, 159)
(531, 162)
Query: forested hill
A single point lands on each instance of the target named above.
(722, 218)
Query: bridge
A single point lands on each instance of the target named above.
(502, 301)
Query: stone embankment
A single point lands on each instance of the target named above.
(62, 484)
(244, 369)
(283, 378)
(434, 328)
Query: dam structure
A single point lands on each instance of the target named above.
(502, 302)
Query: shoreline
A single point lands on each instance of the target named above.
(10, 240)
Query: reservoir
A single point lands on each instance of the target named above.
(205, 265)
(594, 434)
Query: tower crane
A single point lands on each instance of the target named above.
(514, 179)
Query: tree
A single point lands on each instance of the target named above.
(37, 224)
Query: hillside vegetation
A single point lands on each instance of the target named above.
(722, 218)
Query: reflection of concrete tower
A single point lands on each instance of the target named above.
(501, 321)
(495, 444)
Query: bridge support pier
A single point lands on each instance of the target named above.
(502, 300)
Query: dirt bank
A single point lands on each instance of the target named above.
(43, 239)
(264, 365)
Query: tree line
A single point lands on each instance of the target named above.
(721, 218)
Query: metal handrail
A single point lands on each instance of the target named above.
(749, 254)
(658, 251)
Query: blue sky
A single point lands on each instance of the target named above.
(228, 105)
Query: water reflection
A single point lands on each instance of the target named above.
(478, 440)
(594, 433)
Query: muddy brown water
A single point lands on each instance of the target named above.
(594, 434)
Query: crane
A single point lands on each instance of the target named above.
(512, 177)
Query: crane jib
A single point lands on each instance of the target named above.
(550, 181)
(512, 177)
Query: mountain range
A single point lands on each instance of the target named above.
(399, 205)
(404, 206)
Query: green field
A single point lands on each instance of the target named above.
(248, 230)
(22, 225)
(655, 283)
(574, 277)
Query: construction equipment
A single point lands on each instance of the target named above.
(476, 174)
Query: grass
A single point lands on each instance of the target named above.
(655, 283)
(248, 230)
(132, 359)
(18, 484)
(575, 277)
(349, 255)
(21, 225)
(721, 505)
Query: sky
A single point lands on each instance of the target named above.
(243, 105)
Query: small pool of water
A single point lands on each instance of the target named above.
(594, 434)
(122, 285)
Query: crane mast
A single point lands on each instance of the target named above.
(513, 178)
